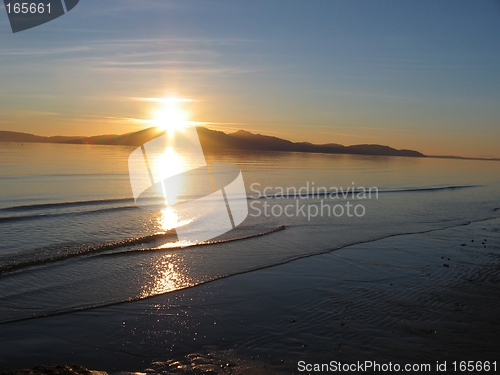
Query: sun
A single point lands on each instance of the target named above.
(171, 116)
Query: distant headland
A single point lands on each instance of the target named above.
(216, 140)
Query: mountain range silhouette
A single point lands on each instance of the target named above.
(216, 140)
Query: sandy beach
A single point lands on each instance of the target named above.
(415, 299)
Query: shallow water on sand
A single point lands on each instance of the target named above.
(408, 299)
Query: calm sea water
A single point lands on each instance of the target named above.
(72, 237)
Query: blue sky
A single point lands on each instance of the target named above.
(411, 74)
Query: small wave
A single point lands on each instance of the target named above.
(350, 192)
(63, 252)
(431, 188)
(68, 204)
(177, 245)
(310, 193)
(57, 175)
(44, 256)
(8, 219)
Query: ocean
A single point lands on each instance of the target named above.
(72, 238)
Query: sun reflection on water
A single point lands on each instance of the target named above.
(169, 219)
(166, 277)
(170, 163)
(177, 244)
(167, 164)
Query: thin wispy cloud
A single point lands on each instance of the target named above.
(31, 113)
(52, 52)
(164, 100)
(133, 121)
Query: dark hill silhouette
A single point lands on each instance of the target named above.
(216, 140)
(245, 140)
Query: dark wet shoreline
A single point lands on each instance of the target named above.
(417, 298)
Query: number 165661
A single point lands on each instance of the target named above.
(25, 8)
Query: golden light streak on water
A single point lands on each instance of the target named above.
(169, 220)
(166, 277)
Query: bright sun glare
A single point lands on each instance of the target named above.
(170, 116)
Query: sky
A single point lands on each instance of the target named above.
(421, 75)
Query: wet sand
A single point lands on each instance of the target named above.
(417, 298)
